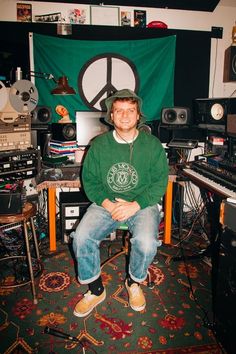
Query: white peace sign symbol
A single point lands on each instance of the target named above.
(104, 74)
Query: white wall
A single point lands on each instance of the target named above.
(176, 19)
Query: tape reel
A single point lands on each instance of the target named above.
(3, 95)
(23, 96)
(7, 112)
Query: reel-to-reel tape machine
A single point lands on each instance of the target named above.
(16, 105)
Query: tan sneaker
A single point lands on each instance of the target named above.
(87, 303)
(136, 297)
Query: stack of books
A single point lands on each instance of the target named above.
(63, 148)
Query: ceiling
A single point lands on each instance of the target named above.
(196, 5)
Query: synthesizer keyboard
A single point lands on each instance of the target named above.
(220, 181)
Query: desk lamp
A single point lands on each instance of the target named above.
(62, 87)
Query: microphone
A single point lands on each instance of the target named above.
(60, 334)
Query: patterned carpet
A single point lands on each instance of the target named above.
(178, 307)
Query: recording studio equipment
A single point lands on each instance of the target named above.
(176, 116)
(40, 117)
(16, 104)
(230, 64)
(231, 125)
(145, 128)
(13, 197)
(60, 334)
(15, 141)
(227, 218)
(15, 135)
(231, 136)
(182, 143)
(21, 124)
(40, 140)
(219, 180)
(44, 143)
(224, 280)
(21, 164)
(23, 96)
(7, 113)
(73, 205)
(64, 132)
(41, 128)
(211, 113)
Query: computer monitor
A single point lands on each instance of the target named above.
(89, 124)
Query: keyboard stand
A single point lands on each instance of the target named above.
(208, 251)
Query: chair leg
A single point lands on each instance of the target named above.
(35, 238)
(110, 259)
(29, 259)
(151, 284)
(125, 250)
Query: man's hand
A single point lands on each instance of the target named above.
(124, 210)
(108, 205)
(120, 209)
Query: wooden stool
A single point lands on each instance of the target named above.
(28, 212)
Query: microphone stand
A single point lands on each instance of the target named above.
(60, 334)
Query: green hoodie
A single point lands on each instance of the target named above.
(134, 173)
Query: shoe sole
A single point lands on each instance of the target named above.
(78, 314)
(138, 309)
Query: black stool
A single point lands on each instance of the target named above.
(28, 212)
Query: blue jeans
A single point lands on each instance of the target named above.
(97, 224)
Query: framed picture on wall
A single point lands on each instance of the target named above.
(140, 18)
(24, 12)
(77, 16)
(104, 15)
(125, 18)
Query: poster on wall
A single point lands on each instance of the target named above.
(77, 16)
(125, 18)
(51, 17)
(104, 15)
(24, 12)
(140, 18)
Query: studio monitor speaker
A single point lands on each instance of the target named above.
(230, 64)
(40, 139)
(213, 111)
(176, 116)
(41, 115)
(64, 132)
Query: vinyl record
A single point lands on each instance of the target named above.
(23, 96)
(3, 95)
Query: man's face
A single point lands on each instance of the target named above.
(125, 115)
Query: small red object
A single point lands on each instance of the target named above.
(157, 24)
